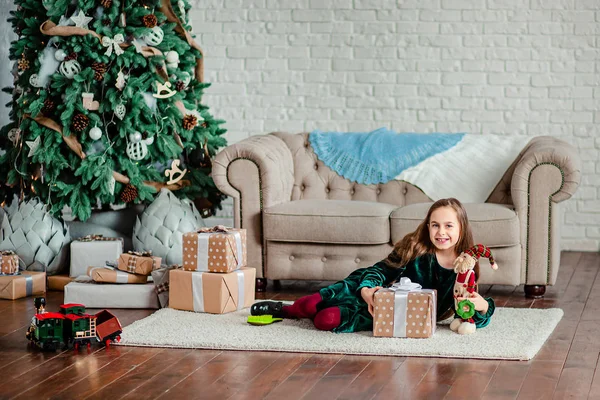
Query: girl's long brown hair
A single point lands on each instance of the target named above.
(418, 242)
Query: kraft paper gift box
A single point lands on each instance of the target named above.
(217, 249)
(209, 292)
(405, 310)
(58, 282)
(138, 263)
(111, 275)
(107, 295)
(26, 283)
(9, 262)
(93, 251)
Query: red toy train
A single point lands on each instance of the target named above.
(71, 327)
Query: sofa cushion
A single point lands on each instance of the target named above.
(494, 225)
(328, 221)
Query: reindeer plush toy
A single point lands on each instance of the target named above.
(465, 286)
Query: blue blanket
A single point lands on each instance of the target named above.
(378, 156)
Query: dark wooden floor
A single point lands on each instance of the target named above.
(566, 367)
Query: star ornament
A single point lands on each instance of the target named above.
(81, 21)
(33, 145)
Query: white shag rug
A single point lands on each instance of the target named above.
(513, 334)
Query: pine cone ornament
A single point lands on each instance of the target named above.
(48, 106)
(161, 226)
(179, 86)
(80, 122)
(72, 56)
(189, 122)
(149, 20)
(129, 194)
(46, 247)
(106, 3)
(100, 69)
(23, 63)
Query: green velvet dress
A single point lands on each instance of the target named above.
(425, 270)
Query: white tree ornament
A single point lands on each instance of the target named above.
(33, 145)
(172, 59)
(60, 55)
(95, 133)
(155, 36)
(34, 81)
(137, 151)
(80, 20)
(88, 101)
(14, 135)
(135, 137)
(120, 83)
(120, 111)
(69, 69)
(113, 44)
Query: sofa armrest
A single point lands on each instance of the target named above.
(547, 173)
(257, 172)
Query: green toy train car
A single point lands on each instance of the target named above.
(71, 327)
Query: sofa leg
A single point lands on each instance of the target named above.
(535, 291)
(261, 284)
(277, 285)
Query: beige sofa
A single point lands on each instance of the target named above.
(306, 222)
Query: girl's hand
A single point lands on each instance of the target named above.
(480, 303)
(368, 295)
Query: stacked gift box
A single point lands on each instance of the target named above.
(9, 263)
(405, 310)
(22, 284)
(214, 277)
(113, 279)
(93, 251)
(15, 284)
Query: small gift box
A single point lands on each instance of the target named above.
(217, 249)
(58, 282)
(9, 262)
(405, 310)
(208, 292)
(111, 275)
(161, 283)
(23, 284)
(106, 295)
(141, 263)
(94, 251)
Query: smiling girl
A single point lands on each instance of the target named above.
(425, 256)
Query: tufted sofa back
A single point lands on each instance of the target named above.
(314, 180)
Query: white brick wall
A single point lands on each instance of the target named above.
(529, 67)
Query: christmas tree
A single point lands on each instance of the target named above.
(106, 107)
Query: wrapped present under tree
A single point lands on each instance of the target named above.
(141, 263)
(216, 249)
(214, 293)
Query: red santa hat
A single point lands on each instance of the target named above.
(480, 250)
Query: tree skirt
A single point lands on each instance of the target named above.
(513, 334)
